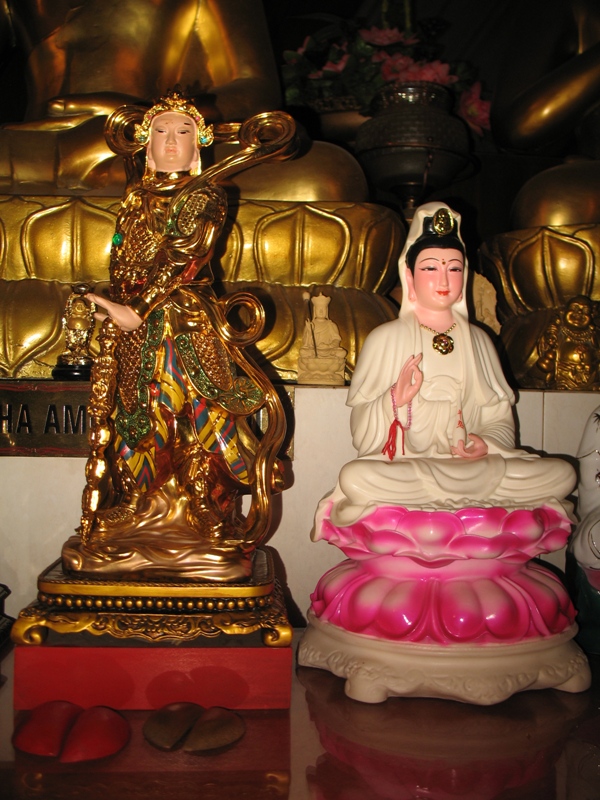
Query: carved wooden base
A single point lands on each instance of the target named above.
(376, 669)
(156, 611)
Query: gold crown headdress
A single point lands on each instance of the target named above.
(174, 101)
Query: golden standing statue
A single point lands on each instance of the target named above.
(164, 549)
(173, 450)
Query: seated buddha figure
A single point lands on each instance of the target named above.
(79, 67)
(568, 347)
(440, 512)
(172, 389)
(322, 360)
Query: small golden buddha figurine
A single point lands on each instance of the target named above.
(75, 362)
(172, 389)
(568, 348)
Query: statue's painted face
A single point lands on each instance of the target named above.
(172, 146)
(437, 282)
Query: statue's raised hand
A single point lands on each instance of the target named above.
(409, 381)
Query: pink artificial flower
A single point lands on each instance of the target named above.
(474, 110)
(336, 66)
(384, 36)
(396, 67)
(402, 68)
(379, 55)
(302, 49)
(434, 71)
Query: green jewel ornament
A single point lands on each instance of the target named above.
(117, 239)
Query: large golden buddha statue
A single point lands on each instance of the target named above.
(61, 182)
(546, 104)
(84, 62)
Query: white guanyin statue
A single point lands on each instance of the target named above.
(321, 360)
(584, 547)
(440, 515)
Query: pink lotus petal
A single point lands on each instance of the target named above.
(551, 541)
(432, 529)
(402, 609)
(504, 618)
(544, 603)
(480, 547)
(360, 606)
(482, 521)
(528, 526)
(460, 611)
(336, 579)
(388, 542)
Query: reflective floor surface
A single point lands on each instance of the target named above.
(541, 745)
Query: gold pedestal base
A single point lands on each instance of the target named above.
(156, 611)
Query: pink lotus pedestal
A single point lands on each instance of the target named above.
(445, 604)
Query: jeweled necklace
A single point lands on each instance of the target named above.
(442, 342)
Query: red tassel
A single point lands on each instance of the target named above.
(390, 446)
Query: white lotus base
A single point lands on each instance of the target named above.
(376, 669)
